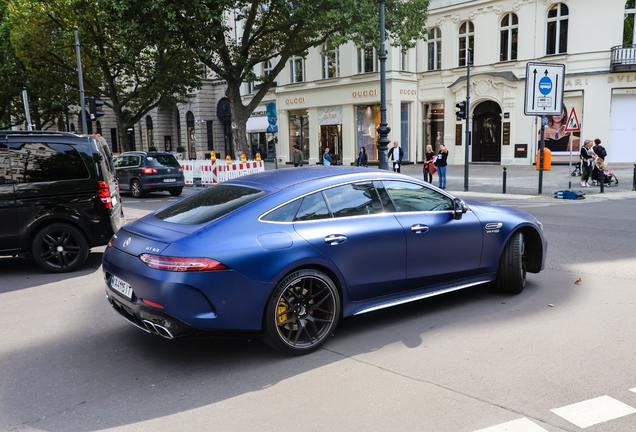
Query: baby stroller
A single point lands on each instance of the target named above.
(610, 178)
(577, 170)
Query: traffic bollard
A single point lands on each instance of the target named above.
(634, 185)
(602, 176)
(504, 180)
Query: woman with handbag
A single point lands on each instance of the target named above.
(429, 167)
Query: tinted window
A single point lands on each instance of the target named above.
(38, 162)
(312, 208)
(162, 161)
(209, 204)
(133, 161)
(353, 199)
(119, 161)
(5, 166)
(409, 197)
(285, 213)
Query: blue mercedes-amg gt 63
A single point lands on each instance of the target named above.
(290, 252)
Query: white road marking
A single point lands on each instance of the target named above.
(520, 425)
(594, 411)
(633, 390)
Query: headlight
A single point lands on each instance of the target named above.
(540, 225)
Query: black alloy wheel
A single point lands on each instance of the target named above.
(60, 248)
(135, 189)
(511, 274)
(302, 312)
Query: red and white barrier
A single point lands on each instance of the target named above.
(217, 171)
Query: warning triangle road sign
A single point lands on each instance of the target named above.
(572, 124)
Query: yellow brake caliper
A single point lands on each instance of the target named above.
(282, 307)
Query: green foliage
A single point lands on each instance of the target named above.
(152, 149)
(180, 149)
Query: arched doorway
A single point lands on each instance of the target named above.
(487, 132)
(190, 135)
(224, 113)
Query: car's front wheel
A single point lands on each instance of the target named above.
(302, 312)
(135, 189)
(60, 248)
(511, 274)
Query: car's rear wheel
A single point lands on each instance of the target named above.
(135, 189)
(60, 248)
(511, 274)
(176, 192)
(302, 312)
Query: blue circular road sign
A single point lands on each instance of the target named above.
(545, 86)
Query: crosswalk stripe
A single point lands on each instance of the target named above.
(594, 411)
(520, 425)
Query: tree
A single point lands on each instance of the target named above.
(132, 75)
(267, 30)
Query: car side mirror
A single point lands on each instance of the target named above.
(460, 208)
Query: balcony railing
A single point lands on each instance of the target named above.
(623, 58)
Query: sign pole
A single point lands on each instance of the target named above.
(570, 170)
(541, 154)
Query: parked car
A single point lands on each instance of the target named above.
(58, 197)
(290, 252)
(141, 172)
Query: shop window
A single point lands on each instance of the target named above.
(299, 132)
(557, 30)
(191, 135)
(433, 126)
(404, 123)
(629, 36)
(296, 69)
(330, 61)
(367, 123)
(508, 33)
(466, 40)
(150, 137)
(367, 59)
(435, 49)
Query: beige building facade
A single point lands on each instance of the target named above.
(333, 100)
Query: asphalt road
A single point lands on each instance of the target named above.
(468, 361)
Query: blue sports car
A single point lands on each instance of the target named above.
(290, 252)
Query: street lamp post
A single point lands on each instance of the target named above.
(467, 145)
(383, 129)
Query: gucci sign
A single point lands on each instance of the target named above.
(407, 92)
(298, 100)
(365, 93)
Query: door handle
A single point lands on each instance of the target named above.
(419, 228)
(335, 239)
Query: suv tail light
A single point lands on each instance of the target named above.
(179, 264)
(105, 201)
(180, 169)
(149, 171)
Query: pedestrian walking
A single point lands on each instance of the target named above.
(298, 156)
(441, 165)
(587, 162)
(395, 156)
(326, 159)
(429, 166)
(363, 159)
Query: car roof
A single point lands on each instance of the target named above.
(288, 177)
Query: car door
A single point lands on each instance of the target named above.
(439, 247)
(366, 243)
(8, 213)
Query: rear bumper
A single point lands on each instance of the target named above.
(158, 184)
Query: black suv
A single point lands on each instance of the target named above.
(58, 197)
(141, 172)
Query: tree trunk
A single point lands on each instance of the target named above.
(240, 115)
(122, 130)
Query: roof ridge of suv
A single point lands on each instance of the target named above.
(23, 132)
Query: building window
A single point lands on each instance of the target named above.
(404, 59)
(296, 69)
(404, 120)
(508, 37)
(210, 133)
(330, 61)
(191, 135)
(267, 68)
(150, 137)
(433, 126)
(435, 49)
(98, 125)
(557, 32)
(367, 122)
(204, 71)
(249, 87)
(466, 39)
(629, 36)
(367, 59)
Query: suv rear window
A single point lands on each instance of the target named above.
(209, 204)
(161, 161)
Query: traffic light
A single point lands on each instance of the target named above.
(94, 106)
(461, 113)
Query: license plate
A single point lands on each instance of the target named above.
(121, 287)
(114, 200)
(169, 180)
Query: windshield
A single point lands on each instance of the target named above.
(209, 204)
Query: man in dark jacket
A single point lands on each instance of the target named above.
(395, 156)
(298, 156)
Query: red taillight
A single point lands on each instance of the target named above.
(178, 264)
(104, 195)
(149, 171)
(111, 242)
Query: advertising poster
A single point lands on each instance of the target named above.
(556, 139)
